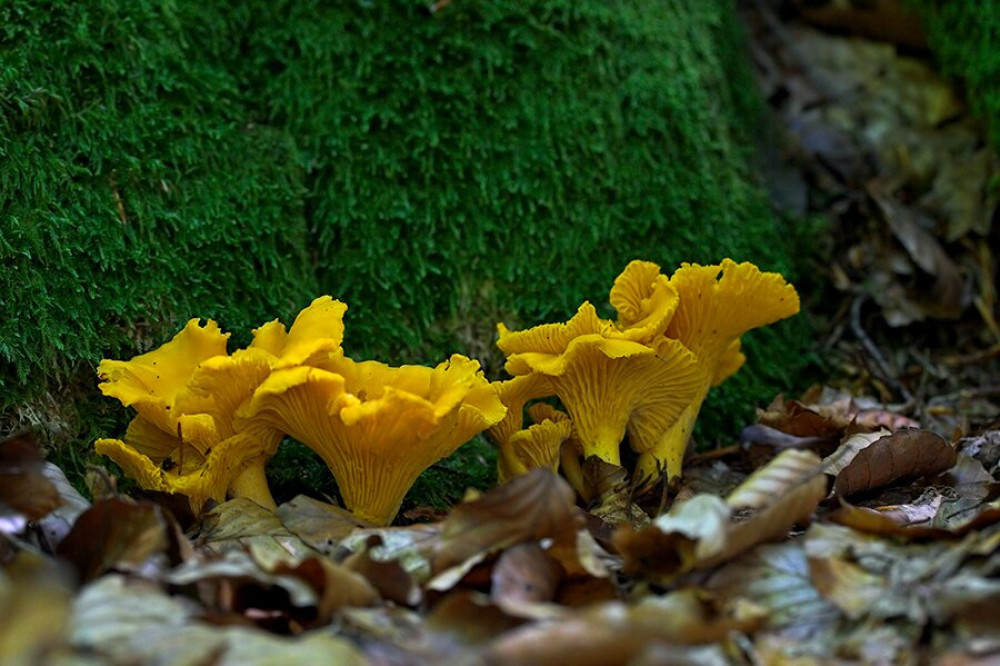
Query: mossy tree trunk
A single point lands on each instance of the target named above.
(437, 172)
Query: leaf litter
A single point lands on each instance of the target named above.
(856, 525)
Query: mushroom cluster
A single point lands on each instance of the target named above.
(207, 422)
(645, 374)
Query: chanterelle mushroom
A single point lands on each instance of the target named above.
(378, 427)
(601, 376)
(718, 304)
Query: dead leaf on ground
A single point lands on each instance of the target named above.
(939, 293)
(23, 484)
(525, 573)
(125, 621)
(707, 531)
(320, 524)
(389, 577)
(35, 605)
(118, 535)
(531, 507)
(241, 523)
(614, 633)
(867, 461)
(777, 577)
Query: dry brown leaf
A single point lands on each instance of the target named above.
(336, 586)
(874, 460)
(321, 525)
(241, 524)
(134, 622)
(116, 534)
(699, 533)
(777, 577)
(945, 298)
(678, 541)
(795, 418)
(35, 605)
(766, 486)
(849, 587)
(610, 485)
(23, 485)
(466, 618)
(389, 577)
(532, 506)
(616, 633)
(782, 494)
(525, 573)
(871, 521)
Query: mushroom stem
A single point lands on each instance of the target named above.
(569, 464)
(668, 453)
(252, 484)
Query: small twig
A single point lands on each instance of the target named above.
(973, 358)
(884, 369)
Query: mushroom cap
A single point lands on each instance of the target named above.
(551, 338)
(159, 461)
(515, 394)
(645, 301)
(378, 427)
(188, 443)
(602, 382)
(315, 335)
(720, 303)
(535, 446)
(152, 383)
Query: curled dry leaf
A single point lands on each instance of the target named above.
(777, 577)
(613, 491)
(531, 507)
(524, 573)
(690, 533)
(871, 521)
(243, 524)
(133, 622)
(23, 485)
(795, 418)
(118, 534)
(613, 633)
(699, 533)
(389, 577)
(54, 527)
(782, 494)
(320, 524)
(945, 298)
(867, 461)
(35, 603)
(336, 586)
(284, 598)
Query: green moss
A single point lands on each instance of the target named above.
(134, 191)
(524, 157)
(966, 38)
(168, 159)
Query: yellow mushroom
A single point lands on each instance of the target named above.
(645, 301)
(538, 445)
(151, 383)
(377, 427)
(315, 335)
(601, 377)
(515, 394)
(223, 457)
(718, 304)
(187, 392)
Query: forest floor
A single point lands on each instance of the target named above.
(858, 523)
